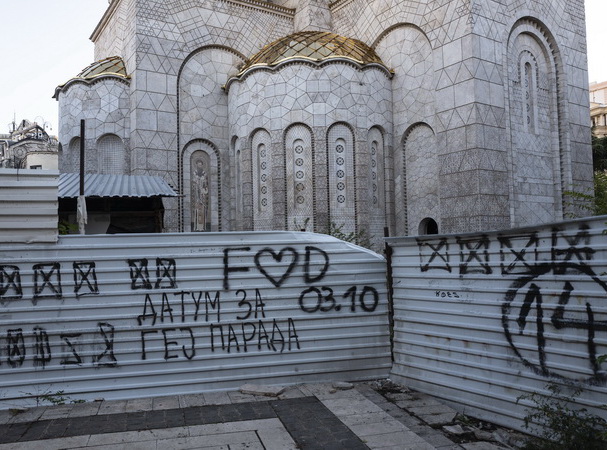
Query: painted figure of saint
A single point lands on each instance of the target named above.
(200, 197)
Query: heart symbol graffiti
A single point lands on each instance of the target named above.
(266, 253)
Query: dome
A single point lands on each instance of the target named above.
(109, 67)
(114, 65)
(316, 46)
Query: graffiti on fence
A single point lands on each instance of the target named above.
(179, 318)
(554, 295)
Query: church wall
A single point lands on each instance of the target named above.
(452, 69)
(114, 36)
(166, 34)
(203, 113)
(472, 122)
(104, 105)
(413, 101)
(320, 110)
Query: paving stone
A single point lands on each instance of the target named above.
(405, 439)
(416, 402)
(292, 392)
(310, 422)
(220, 439)
(239, 397)
(112, 407)
(31, 415)
(342, 385)
(435, 414)
(85, 409)
(481, 446)
(191, 400)
(348, 407)
(120, 438)
(256, 389)
(482, 435)
(373, 428)
(456, 430)
(139, 404)
(372, 418)
(167, 402)
(400, 396)
(438, 419)
(217, 398)
(434, 437)
(56, 412)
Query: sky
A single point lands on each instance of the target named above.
(44, 43)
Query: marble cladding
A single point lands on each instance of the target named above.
(457, 144)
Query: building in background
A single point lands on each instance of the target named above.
(419, 116)
(598, 108)
(28, 146)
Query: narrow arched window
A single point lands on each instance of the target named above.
(110, 154)
(529, 97)
(428, 226)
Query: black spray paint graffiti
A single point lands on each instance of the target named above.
(551, 303)
(557, 300)
(270, 264)
(70, 348)
(177, 324)
(47, 281)
(205, 308)
(518, 254)
(10, 283)
(538, 306)
(85, 279)
(166, 274)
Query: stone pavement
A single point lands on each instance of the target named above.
(311, 416)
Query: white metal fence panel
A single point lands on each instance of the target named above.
(136, 315)
(482, 319)
(28, 206)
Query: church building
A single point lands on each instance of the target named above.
(422, 116)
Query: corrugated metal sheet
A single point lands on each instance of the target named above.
(481, 319)
(98, 185)
(28, 206)
(125, 316)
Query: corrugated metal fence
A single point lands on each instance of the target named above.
(28, 205)
(136, 315)
(482, 319)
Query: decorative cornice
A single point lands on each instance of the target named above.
(337, 4)
(104, 20)
(257, 4)
(310, 62)
(91, 81)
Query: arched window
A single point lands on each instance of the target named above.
(299, 178)
(428, 226)
(110, 155)
(340, 161)
(263, 198)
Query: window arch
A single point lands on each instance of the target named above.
(263, 198)
(340, 167)
(428, 226)
(539, 158)
(419, 194)
(299, 177)
(202, 186)
(110, 155)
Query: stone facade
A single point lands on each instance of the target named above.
(475, 116)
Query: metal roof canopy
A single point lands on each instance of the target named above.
(106, 186)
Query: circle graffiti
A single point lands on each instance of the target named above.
(550, 318)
